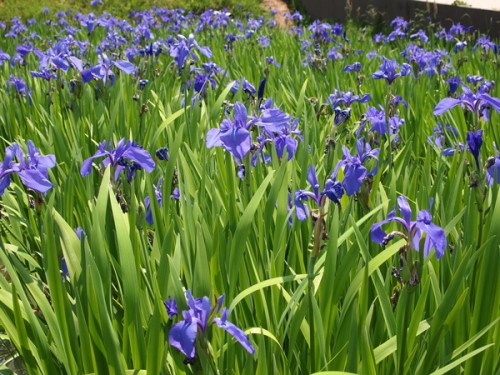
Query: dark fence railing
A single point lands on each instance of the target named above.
(487, 21)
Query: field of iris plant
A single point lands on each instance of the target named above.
(205, 194)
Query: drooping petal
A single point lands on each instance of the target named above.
(234, 331)
(446, 104)
(87, 75)
(213, 138)
(491, 172)
(206, 51)
(353, 178)
(313, 179)
(449, 151)
(4, 183)
(240, 114)
(494, 102)
(378, 75)
(291, 147)
(474, 142)
(301, 209)
(35, 180)
(204, 308)
(76, 62)
(149, 213)
(45, 162)
(377, 233)
(87, 163)
(141, 157)
(435, 238)
(333, 190)
(125, 66)
(364, 99)
(60, 63)
(182, 336)
(405, 209)
(238, 142)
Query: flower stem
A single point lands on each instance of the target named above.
(310, 278)
(318, 229)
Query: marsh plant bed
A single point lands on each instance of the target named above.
(201, 194)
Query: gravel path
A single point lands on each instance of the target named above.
(281, 7)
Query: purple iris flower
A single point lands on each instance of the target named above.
(32, 168)
(162, 154)
(320, 31)
(88, 22)
(387, 70)
(438, 137)
(341, 115)
(262, 87)
(355, 67)
(19, 86)
(395, 100)
(459, 29)
(248, 88)
(272, 119)
(450, 151)
(493, 168)
(485, 87)
(280, 128)
(334, 54)
(233, 330)
(486, 44)
(3, 57)
(412, 230)
(117, 158)
(453, 82)
(159, 198)
(55, 57)
(395, 122)
(474, 143)
(354, 170)
(347, 98)
(478, 103)
(399, 23)
(200, 314)
(420, 34)
(153, 49)
(80, 233)
(46, 74)
(377, 119)
(475, 79)
(184, 48)
(460, 46)
(234, 136)
(270, 61)
(95, 3)
(143, 83)
(333, 190)
(102, 70)
(264, 41)
(64, 269)
(200, 84)
(171, 307)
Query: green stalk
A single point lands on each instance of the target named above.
(318, 229)
(310, 277)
